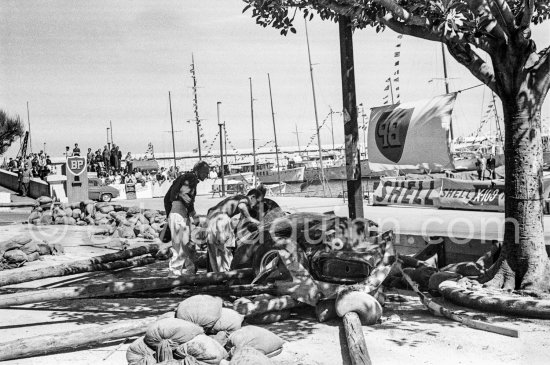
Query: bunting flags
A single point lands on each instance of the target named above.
(391, 86)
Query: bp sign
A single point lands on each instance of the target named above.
(76, 165)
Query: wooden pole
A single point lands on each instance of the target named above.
(172, 124)
(353, 169)
(253, 134)
(196, 105)
(438, 309)
(274, 132)
(29, 122)
(267, 305)
(220, 125)
(216, 290)
(114, 288)
(355, 338)
(97, 263)
(69, 341)
(321, 167)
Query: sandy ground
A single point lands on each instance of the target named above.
(407, 334)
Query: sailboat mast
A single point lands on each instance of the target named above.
(29, 122)
(332, 128)
(316, 116)
(172, 124)
(446, 84)
(253, 135)
(391, 90)
(274, 131)
(297, 138)
(196, 104)
(497, 120)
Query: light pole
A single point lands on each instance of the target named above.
(363, 127)
(111, 125)
(221, 126)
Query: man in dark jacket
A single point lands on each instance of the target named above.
(491, 165)
(179, 203)
(107, 158)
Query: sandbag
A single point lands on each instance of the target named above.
(221, 337)
(44, 200)
(133, 210)
(126, 232)
(249, 356)
(166, 334)
(80, 223)
(421, 276)
(259, 338)
(59, 213)
(230, 321)
(33, 256)
(35, 214)
(141, 219)
(45, 249)
(30, 247)
(68, 211)
(440, 277)
(150, 214)
(76, 213)
(203, 310)
(464, 268)
(15, 242)
(203, 349)
(15, 256)
(139, 353)
(46, 218)
(366, 306)
(106, 209)
(90, 209)
(269, 317)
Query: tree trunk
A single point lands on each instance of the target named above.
(523, 263)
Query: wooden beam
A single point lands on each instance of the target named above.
(47, 344)
(355, 338)
(267, 305)
(114, 288)
(97, 263)
(351, 131)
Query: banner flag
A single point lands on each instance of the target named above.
(478, 195)
(412, 135)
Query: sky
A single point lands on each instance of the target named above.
(80, 64)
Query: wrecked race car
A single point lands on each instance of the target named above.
(310, 256)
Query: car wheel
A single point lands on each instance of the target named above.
(106, 197)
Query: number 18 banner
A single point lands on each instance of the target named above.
(412, 135)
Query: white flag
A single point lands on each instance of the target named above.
(412, 135)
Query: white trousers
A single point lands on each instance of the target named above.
(220, 238)
(183, 253)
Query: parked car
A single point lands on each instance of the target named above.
(99, 191)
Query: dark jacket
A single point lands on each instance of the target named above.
(191, 180)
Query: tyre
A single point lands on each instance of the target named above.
(106, 197)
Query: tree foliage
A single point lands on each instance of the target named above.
(465, 26)
(10, 129)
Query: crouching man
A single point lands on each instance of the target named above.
(221, 235)
(179, 204)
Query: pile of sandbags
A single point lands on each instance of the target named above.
(16, 251)
(128, 222)
(201, 331)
